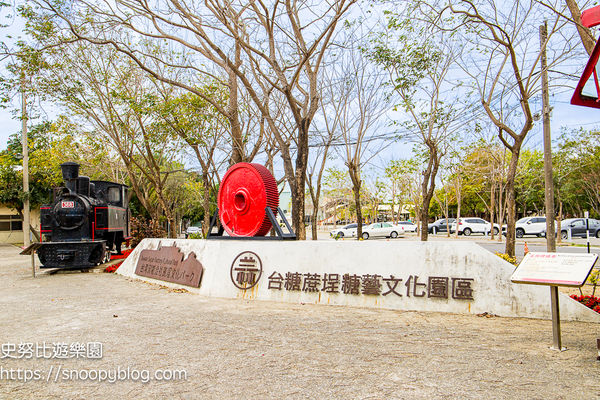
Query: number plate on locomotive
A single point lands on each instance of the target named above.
(67, 204)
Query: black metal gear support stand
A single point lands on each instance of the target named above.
(279, 234)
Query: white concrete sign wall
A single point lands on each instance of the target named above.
(445, 276)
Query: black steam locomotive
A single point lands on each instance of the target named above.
(85, 221)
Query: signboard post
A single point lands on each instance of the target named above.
(554, 270)
(556, 337)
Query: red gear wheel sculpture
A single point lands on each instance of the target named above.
(245, 191)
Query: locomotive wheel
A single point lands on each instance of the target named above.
(245, 191)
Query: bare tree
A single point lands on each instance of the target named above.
(395, 172)
(418, 66)
(355, 107)
(322, 142)
(501, 60)
(112, 98)
(197, 124)
(271, 48)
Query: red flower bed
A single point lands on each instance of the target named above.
(114, 267)
(588, 301)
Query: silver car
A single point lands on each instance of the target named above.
(528, 226)
(345, 231)
(382, 229)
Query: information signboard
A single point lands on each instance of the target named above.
(555, 269)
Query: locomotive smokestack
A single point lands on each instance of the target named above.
(70, 170)
(70, 173)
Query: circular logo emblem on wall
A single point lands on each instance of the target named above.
(246, 270)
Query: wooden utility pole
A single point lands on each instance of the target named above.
(24, 142)
(549, 192)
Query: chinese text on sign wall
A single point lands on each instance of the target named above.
(247, 269)
(432, 287)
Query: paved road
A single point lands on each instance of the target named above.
(533, 243)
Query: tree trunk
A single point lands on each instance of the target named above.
(237, 142)
(558, 223)
(428, 188)
(356, 191)
(492, 208)
(298, 213)
(394, 219)
(314, 216)
(425, 218)
(500, 209)
(356, 184)
(511, 202)
(335, 214)
(206, 204)
(298, 195)
(585, 34)
(458, 201)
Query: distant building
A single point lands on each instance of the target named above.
(11, 224)
(285, 200)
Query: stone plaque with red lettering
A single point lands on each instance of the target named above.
(168, 264)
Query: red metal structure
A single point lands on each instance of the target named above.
(247, 189)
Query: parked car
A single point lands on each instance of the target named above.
(529, 226)
(344, 231)
(381, 229)
(439, 225)
(466, 226)
(408, 226)
(577, 226)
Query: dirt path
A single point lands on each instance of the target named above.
(239, 349)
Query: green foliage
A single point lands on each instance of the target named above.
(577, 176)
(594, 277)
(11, 187)
(47, 150)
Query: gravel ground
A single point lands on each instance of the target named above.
(240, 349)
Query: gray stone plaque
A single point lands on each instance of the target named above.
(168, 264)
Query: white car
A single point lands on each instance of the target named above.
(408, 226)
(345, 231)
(191, 230)
(466, 226)
(529, 226)
(381, 229)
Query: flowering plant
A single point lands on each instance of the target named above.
(588, 301)
(506, 257)
(123, 256)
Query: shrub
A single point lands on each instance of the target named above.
(506, 257)
(197, 235)
(594, 279)
(142, 228)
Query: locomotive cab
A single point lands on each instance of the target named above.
(111, 219)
